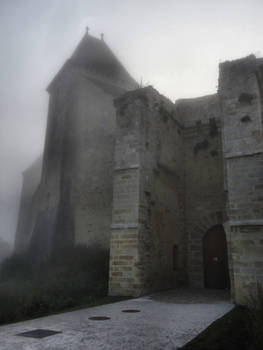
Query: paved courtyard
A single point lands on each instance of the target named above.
(163, 321)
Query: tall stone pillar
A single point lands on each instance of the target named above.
(124, 247)
(241, 101)
(147, 234)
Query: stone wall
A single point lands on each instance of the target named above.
(28, 206)
(94, 129)
(147, 244)
(241, 95)
(54, 206)
(180, 170)
(192, 111)
(204, 191)
(76, 186)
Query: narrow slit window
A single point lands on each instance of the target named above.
(175, 257)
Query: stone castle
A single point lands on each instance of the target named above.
(174, 190)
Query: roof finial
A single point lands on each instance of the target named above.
(87, 30)
(102, 36)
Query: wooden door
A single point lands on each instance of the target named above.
(216, 274)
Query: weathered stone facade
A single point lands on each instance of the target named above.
(181, 170)
(148, 195)
(241, 94)
(149, 179)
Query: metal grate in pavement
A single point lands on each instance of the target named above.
(99, 318)
(38, 333)
(131, 311)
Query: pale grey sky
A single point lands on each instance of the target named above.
(174, 45)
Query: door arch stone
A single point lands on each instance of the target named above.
(215, 259)
(196, 230)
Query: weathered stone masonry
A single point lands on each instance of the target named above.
(241, 96)
(179, 174)
(148, 195)
(147, 178)
(195, 165)
(204, 194)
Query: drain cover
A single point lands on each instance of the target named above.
(38, 333)
(99, 318)
(131, 311)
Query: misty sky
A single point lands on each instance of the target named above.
(173, 45)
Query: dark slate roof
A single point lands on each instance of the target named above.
(94, 55)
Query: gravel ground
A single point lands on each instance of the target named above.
(166, 320)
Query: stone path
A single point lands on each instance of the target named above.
(165, 321)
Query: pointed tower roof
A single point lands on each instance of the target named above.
(94, 56)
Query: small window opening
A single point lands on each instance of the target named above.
(175, 257)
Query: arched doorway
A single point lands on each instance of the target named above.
(216, 274)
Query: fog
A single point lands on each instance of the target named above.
(173, 45)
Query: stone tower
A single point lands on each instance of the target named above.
(75, 191)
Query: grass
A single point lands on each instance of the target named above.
(255, 317)
(92, 302)
(240, 329)
(228, 333)
(72, 279)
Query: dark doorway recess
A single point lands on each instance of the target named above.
(216, 274)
